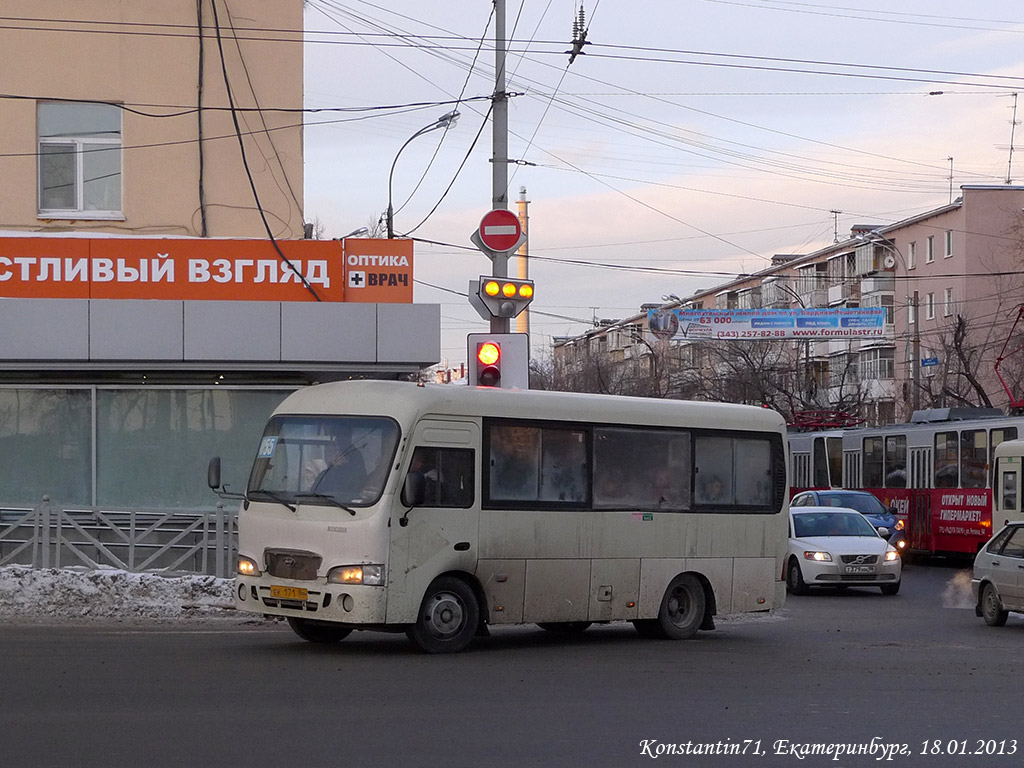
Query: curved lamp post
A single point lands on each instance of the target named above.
(446, 121)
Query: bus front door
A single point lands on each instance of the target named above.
(441, 534)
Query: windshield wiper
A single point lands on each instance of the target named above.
(328, 498)
(273, 497)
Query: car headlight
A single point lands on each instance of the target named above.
(891, 554)
(821, 557)
(247, 566)
(900, 525)
(372, 575)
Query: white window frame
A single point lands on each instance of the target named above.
(929, 255)
(949, 244)
(929, 304)
(82, 145)
(912, 255)
(948, 303)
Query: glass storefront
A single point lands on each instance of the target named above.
(145, 448)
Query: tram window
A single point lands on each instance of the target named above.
(896, 461)
(947, 474)
(820, 464)
(974, 458)
(873, 462)
(834, 448)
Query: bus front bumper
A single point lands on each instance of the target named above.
(344, 603)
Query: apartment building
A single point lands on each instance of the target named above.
(949, 281)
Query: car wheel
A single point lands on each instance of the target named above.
(891, 589)
(795, 579)
(564, 627)
(682, 608)
(992, 608)
(448, 617)
(318, 631)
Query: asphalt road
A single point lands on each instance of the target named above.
(853, 669)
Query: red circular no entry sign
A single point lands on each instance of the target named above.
(500, 230)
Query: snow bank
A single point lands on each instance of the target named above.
(48, 593)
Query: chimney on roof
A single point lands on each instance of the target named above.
(781, 258)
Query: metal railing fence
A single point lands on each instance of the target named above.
(134, 540)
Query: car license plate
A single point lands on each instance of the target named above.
(289, 593)
(859, 569)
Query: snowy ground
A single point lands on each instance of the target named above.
(46, 594)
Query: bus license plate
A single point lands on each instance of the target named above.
(859, 569)
(289, 593)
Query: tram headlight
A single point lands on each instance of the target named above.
(247, 566)
(372, 575)
(820, 557)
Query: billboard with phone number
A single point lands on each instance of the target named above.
(766, 324)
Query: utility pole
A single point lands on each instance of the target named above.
(916, 356)
(523, 265)
(499, 143)
(950, 180)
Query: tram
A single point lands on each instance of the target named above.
(938, 471)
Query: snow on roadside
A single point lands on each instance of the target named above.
(44, 594)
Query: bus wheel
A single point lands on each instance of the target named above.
(991, 608)
(682, 608)
(795, 579)
(448, 617)
(318, 631)
(565, 627)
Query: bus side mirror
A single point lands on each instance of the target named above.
(213, 473)
(414, 490)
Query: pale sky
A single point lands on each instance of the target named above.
(691, 142)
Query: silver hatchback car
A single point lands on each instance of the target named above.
(998, 581)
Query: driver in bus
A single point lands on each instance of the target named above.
(345, 475)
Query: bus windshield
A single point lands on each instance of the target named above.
(337, 459)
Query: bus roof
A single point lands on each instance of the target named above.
(407, 401)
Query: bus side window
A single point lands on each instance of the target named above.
(1009, 492)
(447, 476)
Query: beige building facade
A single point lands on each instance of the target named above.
(950, 281)
(118, 117)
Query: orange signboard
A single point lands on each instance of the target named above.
(205, 269)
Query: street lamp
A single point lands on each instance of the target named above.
(446, 121)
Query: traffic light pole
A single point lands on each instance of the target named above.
(499, 152)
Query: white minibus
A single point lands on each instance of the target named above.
(443, 510)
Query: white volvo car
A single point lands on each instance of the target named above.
(838, 547)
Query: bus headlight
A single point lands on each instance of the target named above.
(821, 557)
(372, 575)
(247, 566)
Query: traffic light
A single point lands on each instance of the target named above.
(504, 296)
(488, 364)
(500, 360)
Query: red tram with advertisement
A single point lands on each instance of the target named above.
(938, 471)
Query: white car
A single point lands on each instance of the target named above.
(838, 547)
(999, 574)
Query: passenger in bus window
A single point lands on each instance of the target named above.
(711, 490)
(345, 476)
(669, 492)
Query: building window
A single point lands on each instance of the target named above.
(947, 310)
(949, 243)
(883, 300)
(929, 306)
(912, 255)
(929, 253)
(877, 363)
(79, 160)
